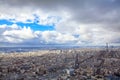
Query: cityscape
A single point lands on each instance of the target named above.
(59, 39)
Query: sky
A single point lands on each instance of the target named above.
(59, 22)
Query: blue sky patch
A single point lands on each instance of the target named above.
(33, 26)
(7, 22)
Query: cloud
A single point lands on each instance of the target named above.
(80, 36)
(56, 37)
(17, 34)
(76, 21)
(27, 15)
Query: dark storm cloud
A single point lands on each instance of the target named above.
(97, 12)
(83, 11)
(75, 4)
(87, 11)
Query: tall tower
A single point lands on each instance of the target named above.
(107, 46)
(77, 61)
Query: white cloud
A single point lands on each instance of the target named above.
(56, 37)
(12, 34)
(79, 35)
(16, 14)
(24, 33)
(15, 34)
(28, 15)
(89, 34)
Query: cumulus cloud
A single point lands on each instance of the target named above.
(27, 15)
(15, 34)
(56, 37)
(76, 21)
(21, 35)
